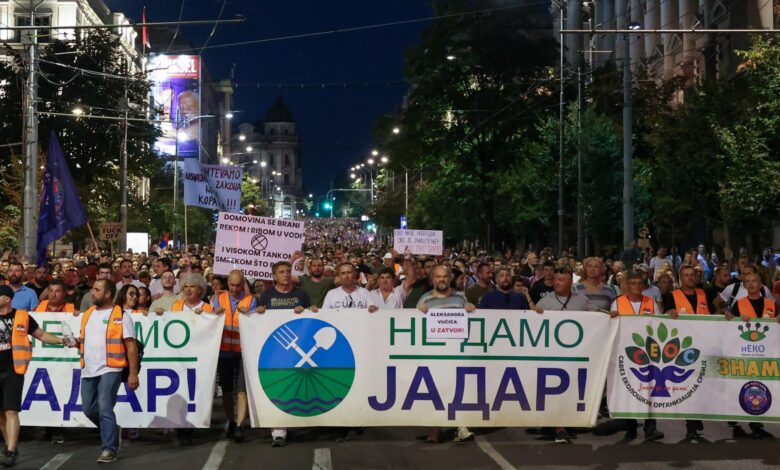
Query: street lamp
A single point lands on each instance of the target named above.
(263, 164)
(396, 130)
(384, 159)
(370, 161)
(241, 137)
(249, 148)
(225, 160)
(77, 111)
(375, 152)
(229, 116)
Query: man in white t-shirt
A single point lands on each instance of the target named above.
(107, 341)
(388, 295)
(736, 290)
(348, 294)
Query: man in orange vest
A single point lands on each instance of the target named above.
(107, 345)
(688, 300)
(15, 356)
(229, 365)
(633, 302)
(56, 300)
(193, 288)
(753, 305)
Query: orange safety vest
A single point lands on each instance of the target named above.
(116, 356)
(746, 308)
(21, 347)
(681, 302)
(231, 341)
(624, 306)
(44, 307)
(178, 306)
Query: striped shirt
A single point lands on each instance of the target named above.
(602, 299)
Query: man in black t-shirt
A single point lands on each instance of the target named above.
(15, 326)
(283, 296)
(544, 286)
(40, 280)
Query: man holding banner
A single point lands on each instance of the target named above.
(633, 302)
(15, 355)
(230, 366)
(107, 345)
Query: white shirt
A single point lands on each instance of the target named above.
(95, 342)
(725, 294)
(636, 306)
(187, 308)
(654, 292)
(339, 298)
(396, 298)
(156, 288)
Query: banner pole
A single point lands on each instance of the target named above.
(92, 236)
(186, 239)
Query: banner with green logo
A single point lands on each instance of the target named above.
(696, 367)
(176, 379)
(354, 368)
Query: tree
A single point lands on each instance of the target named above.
(479, 84)
(90, 73)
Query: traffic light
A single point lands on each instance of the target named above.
(327, 205)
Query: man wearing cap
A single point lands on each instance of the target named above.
(634, 302)
(15, 356)
(24, 297)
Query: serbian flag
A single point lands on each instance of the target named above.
(144, 30)
(61, 208)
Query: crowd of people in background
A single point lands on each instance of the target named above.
(343, 265)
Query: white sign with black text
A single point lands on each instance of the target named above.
(419, 242)
(253, 244)
(447, 324)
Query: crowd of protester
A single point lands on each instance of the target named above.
(343, 265)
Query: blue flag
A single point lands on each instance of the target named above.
(61, 207)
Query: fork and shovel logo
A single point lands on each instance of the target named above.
(306, 367)
(323, 339)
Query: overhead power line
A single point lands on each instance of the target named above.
(367, 27)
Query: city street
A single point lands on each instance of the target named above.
(391, 448)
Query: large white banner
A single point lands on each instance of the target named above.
(176, 380)
(212, 186)
(696, 367)
(253, 244)
(352, 368)
(418, 242)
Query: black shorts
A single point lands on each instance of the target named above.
(11, 385)
(230, 369)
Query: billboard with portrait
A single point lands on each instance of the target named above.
(176, 97)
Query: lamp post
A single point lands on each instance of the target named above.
(628, 147)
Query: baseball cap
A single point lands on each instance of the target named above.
(7, 291)
(388, 255)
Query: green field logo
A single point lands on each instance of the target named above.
(306, 367)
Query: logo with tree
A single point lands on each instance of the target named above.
(662, 358)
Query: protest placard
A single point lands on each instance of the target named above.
(253, 244)
(447, 324)
(110, 232)
(212, 186)
(419, 242)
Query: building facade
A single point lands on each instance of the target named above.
(270, 153)
(694, 56)
(51, 14)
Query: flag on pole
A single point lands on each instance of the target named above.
(61, 208)
(145, 31)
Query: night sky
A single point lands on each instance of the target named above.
(335, 123)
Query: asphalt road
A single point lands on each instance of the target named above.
(403, 448)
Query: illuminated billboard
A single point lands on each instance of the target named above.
(176, 97)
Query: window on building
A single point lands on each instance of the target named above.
(286, 179)
(286, 160)
(44, 33)
(271, 159)
(286, 131)
(273, 131)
